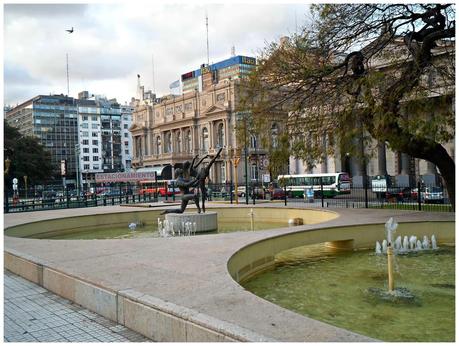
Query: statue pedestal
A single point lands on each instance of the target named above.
(205, 222)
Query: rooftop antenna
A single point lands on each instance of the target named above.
(207, 31)
(67, 60)
(296, 25)
(138, 86)
(233, 51)
(153, 73)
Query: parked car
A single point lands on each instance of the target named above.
(433, 195)
(277, 193)
(259, 191)
(398, 194)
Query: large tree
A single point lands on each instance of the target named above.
(27, 157)
(362, 71)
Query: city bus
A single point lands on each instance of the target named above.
(161, 187)
(333, 184)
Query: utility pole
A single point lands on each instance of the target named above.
(67, 60)
(207, 31)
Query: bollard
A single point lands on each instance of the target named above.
(419, 196)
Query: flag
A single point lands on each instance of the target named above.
(174, 85)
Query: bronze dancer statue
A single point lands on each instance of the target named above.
(184, 185)
(201, 178)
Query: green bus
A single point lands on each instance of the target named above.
(333, 184)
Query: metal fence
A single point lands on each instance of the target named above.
(420, 197)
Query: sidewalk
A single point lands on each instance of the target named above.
(33, 314)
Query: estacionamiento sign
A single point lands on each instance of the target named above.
(124, 177)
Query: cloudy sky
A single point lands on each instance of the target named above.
(113, 42)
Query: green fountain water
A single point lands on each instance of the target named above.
(149, 231)
(333, 287)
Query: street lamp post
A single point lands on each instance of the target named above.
(236, 159)
(245, 161)
(77, 168)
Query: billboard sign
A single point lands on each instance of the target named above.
(124, 177)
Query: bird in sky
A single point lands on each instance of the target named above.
(70, 31)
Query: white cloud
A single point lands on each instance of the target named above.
(113, 42)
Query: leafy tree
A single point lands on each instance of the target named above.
(359, 73)
(27, 157)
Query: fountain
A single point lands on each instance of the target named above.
(252, 224)
(399, 294)
(168, 229)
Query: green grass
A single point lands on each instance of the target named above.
(424, 207)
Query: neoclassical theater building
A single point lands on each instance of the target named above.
(199, 121)
(403, 169)
(202, 118)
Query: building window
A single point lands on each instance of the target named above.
(95, 142)
(223, 172)
(126, 135)
(94, 118)
(95, 166)
(95, 158)
(85, 125)
(274, 135)
(158, 145)
(205, 139)
(126, 143)
(188, 148)
(85, 158)
(178, 142)
(253, 172)
(168, 142)
(94, 125)
(126, 152)
(221, 97)
(85, 134)
(125, 126)
(84, 117)
(188, 106)
(85, 150)
(95, 150)
(85, 141)
(220, 136)
(94, 134)
(253, 141)
(86, 167)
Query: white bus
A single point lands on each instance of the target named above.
(333, 184)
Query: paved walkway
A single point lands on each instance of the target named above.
(33, 314)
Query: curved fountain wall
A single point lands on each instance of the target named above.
(259, 256)
(150, 217)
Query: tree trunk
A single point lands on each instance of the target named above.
(447, 168)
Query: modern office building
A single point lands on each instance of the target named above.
(90, 130)
(233, 68)
(53, 120)
(126, 138)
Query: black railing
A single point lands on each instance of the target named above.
(430, 198)
(420, 197)
(19, 201)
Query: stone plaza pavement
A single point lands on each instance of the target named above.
(33, 314)
(179, 288)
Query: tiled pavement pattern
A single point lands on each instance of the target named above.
(32, 313)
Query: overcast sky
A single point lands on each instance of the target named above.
(113, 42)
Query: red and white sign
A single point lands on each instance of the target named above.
(122, 177)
